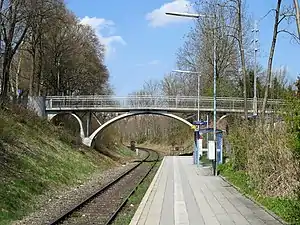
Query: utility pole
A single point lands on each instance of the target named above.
(198, 100)
(215, 92)
(255, 40)
(58, 76)
(296, 3)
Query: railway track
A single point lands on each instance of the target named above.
(103, 206)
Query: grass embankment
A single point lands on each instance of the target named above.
(126, 214)
(286, 208)
(37, 158)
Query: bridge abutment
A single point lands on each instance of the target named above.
(37, 104)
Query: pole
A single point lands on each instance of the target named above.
(58, 77)
(215, 95)
(255, 30)
(207, 126)
(296, 3)
(198, 107)
(198, 118)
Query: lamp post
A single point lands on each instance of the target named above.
(197, 16)
(198, 88)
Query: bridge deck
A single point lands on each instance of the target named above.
(152, 103)
(142, 109)
(183, 194)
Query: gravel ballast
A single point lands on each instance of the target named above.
(101, 208)
(62, 200)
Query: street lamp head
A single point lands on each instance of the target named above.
(185, 71)
(191, 15)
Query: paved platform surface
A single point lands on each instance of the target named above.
(182, 194)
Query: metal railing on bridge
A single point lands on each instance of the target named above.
(167, 103)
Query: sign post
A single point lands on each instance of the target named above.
(198, 141)
(211, 150)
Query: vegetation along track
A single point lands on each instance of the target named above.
(103, 206)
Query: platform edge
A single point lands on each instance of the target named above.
(275, 216)
(135, 219)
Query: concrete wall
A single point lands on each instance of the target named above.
(37, 104)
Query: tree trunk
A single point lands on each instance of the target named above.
(1, 6)
(5, 80)
(296, 4)
(242, 52)
(33, 72)
(40, 69)
(271, 55)
(38, 80)
(18, 74)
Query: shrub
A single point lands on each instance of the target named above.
(265, 155)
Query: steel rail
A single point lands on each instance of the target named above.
(65, 215)
(113, 216)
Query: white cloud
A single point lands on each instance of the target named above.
(158, 18)
(104, 30)
(153, 62)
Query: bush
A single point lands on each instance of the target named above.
(292, 117)
(265, 155)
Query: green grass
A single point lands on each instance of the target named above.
(205, 160)
(286, 208)
(124, 151)
(126, 214)
(37, 158)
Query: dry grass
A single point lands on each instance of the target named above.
(265, 154)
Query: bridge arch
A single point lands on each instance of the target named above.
(221, 118)
(53, 115)
(89, 140)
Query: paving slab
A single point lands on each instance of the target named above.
(183, 194)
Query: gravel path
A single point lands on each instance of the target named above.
(66, 198)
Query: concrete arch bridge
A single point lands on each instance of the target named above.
(124, 107)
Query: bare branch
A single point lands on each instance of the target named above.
(294, 36)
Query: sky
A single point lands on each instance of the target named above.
(141, 41)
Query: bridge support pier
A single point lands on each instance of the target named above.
(88, 123)
(87, 141)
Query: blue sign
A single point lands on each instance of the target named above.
(200, 122)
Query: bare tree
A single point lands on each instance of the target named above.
(239, 31)
(58, 54)
(43, 12)
(242, 52)
(197, 53)
(15, 16)
(280, 16)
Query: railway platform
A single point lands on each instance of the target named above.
(183, 194)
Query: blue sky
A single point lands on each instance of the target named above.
(142, 42)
